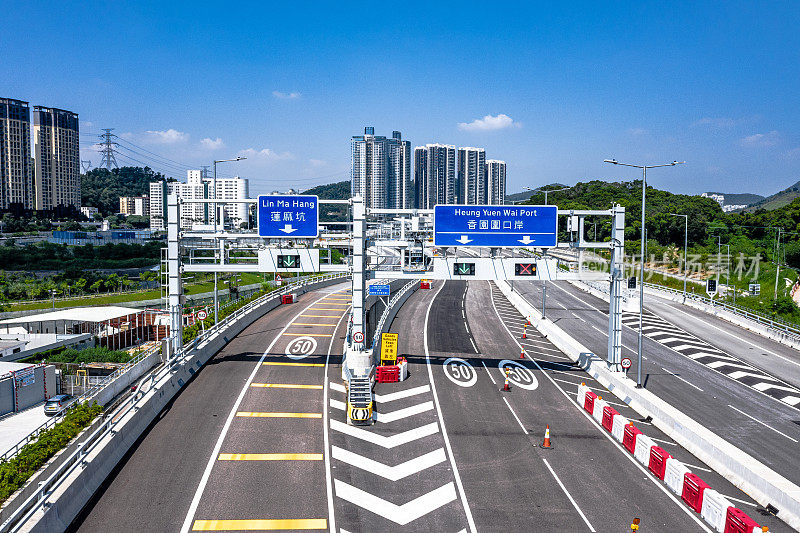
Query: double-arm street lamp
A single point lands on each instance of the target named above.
(216, 213)
(641, 274)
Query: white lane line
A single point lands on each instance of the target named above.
(473, 344)
(740, 501)
(574, 504)
(657, 482)
(598, 329)
(467, 511)
(326, 435)
(187, 523)
(515, 416)
(680, 378)
(669, 443)
(487, 371)
(691, 466)
(762, 423)
(578, 317)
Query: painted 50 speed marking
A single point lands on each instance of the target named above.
(460, 372)
(301, 347)
(518, 374)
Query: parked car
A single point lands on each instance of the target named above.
(56, 404)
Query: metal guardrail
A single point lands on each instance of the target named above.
(78, 457)
(86, 396)
(399, 294)
(783, 326)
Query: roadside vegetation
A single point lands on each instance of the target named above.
(15, 472)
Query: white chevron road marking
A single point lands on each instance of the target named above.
(399, 514)
(392, 396)
(394, 416)
(391, 441)
(399, 395)
(392, 473)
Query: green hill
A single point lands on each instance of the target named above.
(777, 200)
(745, 198)
(101, 188)
(332, 191)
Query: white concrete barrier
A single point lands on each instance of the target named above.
(763, 484)
(618, 427)
(715, 509)
(642, 451)
(674, 475)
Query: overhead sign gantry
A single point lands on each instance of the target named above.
(495, 225)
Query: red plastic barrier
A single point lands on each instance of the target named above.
(424, 284)
(286, 299)
(629, 437)
(388, 374)
(693, 488)
(608, 417)
(658, 461)
(588, 403)
(737, 521)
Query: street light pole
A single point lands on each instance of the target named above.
(216, 208)
(545, 191)
(641, 273)
(685, 249)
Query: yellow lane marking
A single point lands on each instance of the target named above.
(325, 309)
(273, 363)
(307, 324)
(260, 524)
(285, 386)
(270, 457)
(323, 316)
(261, 414)
(337, 299)
(309, 334)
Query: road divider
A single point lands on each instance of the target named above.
(760, 482)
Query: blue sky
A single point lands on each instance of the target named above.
(715, 84)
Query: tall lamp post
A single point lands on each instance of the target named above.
(641, 273)
(685, 248)
(216, 211)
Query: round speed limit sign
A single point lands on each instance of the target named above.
(626, 363)
(358, 337)
(202, 315)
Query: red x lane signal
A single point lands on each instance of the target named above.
(525, 269)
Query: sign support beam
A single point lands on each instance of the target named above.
(174, 273)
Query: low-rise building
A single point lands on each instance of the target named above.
(134, 205)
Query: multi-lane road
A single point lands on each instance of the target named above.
(258, 440)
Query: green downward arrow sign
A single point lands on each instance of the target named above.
(289, 261)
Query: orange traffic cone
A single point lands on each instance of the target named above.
(506, 386)
(524, 333)
(546, 443)
(522, 354)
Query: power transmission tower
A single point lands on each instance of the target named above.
(86, 165)
(108, 149)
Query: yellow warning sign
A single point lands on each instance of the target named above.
(389, 348)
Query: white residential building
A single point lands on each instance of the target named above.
(134, 205)
(381, 170)
(435, 175)
(495, 182)
(89, 212)
(199, 186)
(57, 177)
(472, 186)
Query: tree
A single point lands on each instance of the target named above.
(96, 286)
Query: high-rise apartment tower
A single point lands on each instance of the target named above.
(496, 181)
(381, 170)
(58, 162)
(472, 176)
(16, 170)
(435, 174)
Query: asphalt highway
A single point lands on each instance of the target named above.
(759, 424)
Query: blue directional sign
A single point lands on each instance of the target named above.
(495, 225)
(379, 290)
(294, 216)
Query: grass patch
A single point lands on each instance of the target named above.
(14, 473)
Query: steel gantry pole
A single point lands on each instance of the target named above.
(174, 283)
(641, 252)
(614, 356)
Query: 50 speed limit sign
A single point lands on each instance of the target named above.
(626, 363)
(202, 315)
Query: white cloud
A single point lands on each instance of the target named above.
(489, 123)
(285, 96)
(265, 154)
(761, 139)
(212, 144)
(317, 163)
(638, 131)
(169, 136)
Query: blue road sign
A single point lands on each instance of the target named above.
(495, 225)
(379, 290)
(288, 216)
